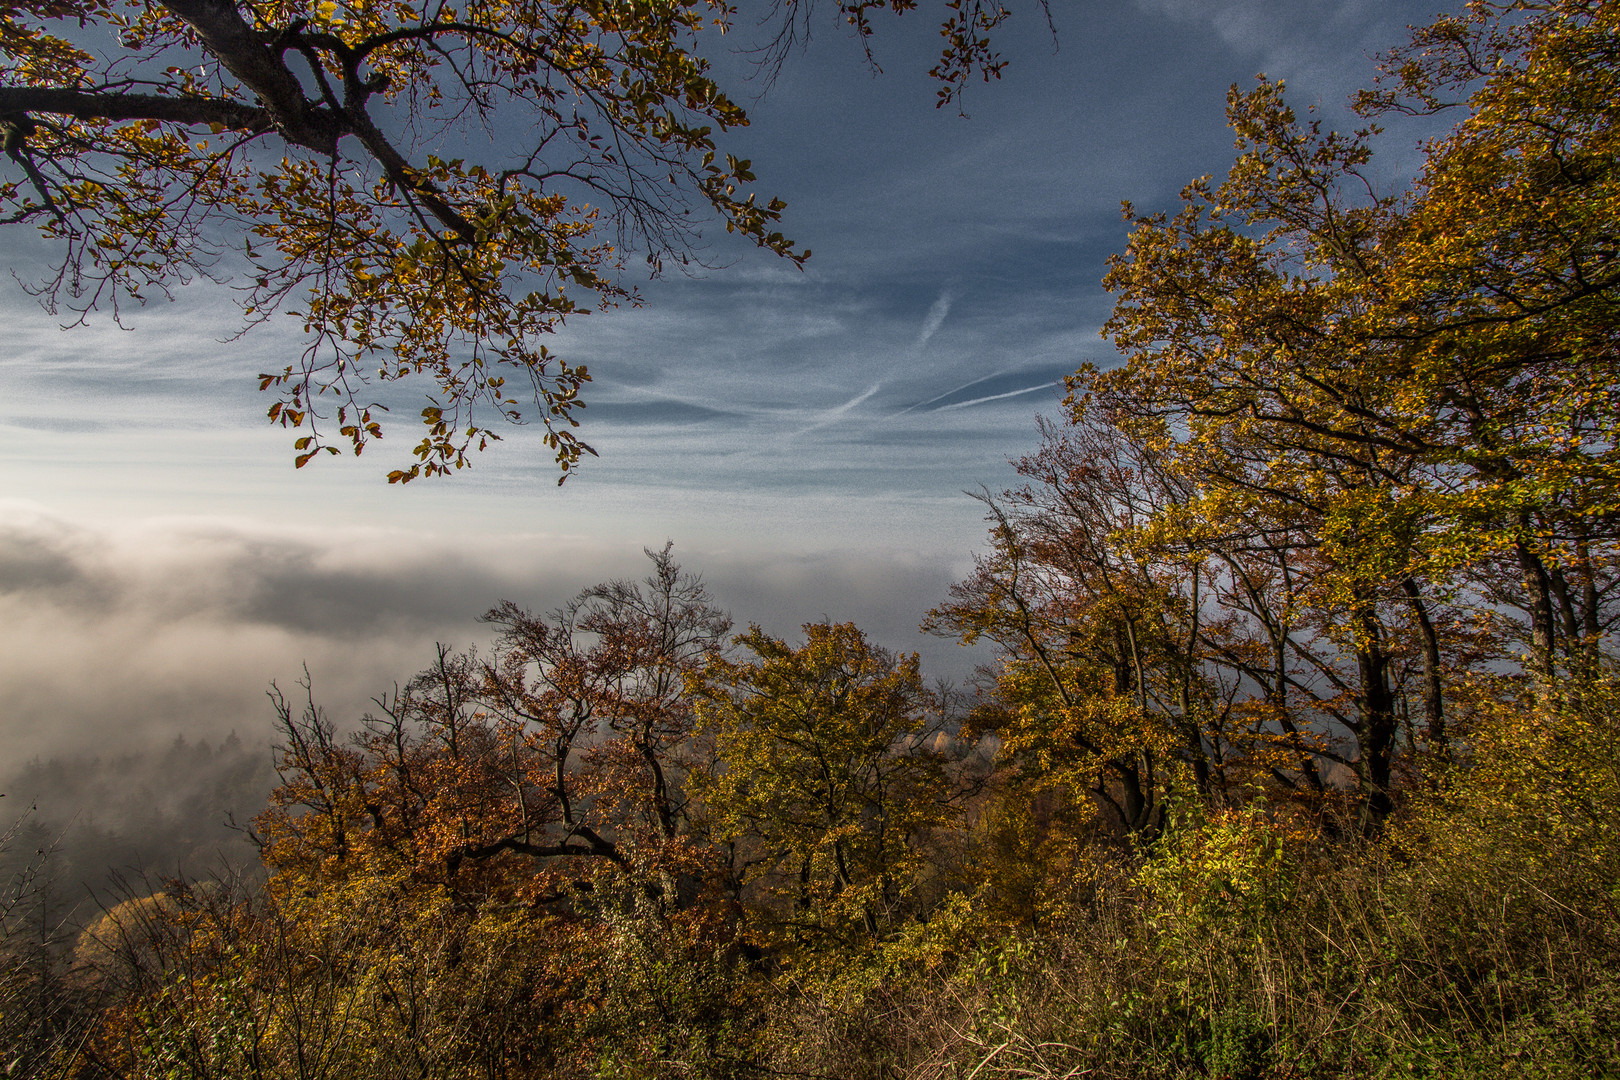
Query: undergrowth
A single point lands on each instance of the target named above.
(1476, 936)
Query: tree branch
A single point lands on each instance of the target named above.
(246, 55)
(99, 105)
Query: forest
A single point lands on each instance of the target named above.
(1298, 755)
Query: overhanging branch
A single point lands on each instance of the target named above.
(248, 56)
(17, 101)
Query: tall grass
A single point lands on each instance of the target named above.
(1477, 937)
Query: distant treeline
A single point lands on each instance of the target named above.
(98, 825)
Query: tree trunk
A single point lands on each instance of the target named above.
(1433, 696)
(1378, 724)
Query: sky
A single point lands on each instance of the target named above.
(808, 439)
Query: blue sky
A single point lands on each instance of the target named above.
(805, 438)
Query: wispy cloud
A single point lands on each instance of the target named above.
(936, 318)
(1018, 382)
(937, 313)
(1319, 44)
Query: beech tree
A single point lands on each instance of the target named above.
(1143, 649)
(1098, 687)
(824, 782)
(1352, 424)
(496, 874)
(430, 189)
(1429, 372)
(331, 154)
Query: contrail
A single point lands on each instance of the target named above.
(995, 397)
(832, 414)
(952, 390)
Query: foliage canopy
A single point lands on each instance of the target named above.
(431, 189)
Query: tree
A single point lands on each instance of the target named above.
(824, 781)
(1505, 285)
(515, 833)
(530, 776)
(1140, 650)
(45, 1021)
(1255, 369)
(1096, 688)
(1349, 423)
(599, 690)
(431, 189)
(1430, 373)
(326, 140)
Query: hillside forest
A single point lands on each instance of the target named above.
(1298, 755)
